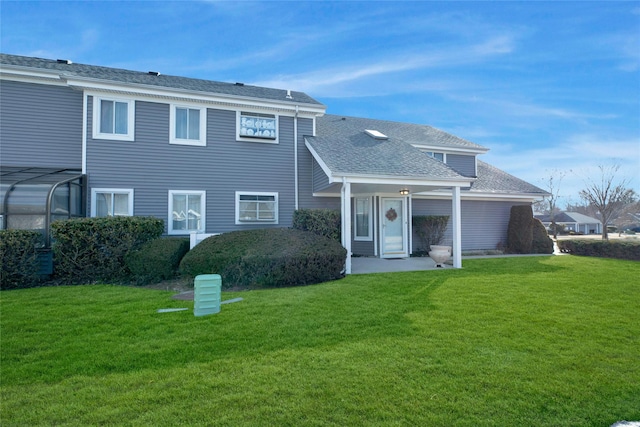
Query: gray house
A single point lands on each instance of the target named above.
(574, 221)
(211, 157)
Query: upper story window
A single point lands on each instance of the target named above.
(188, 125)
(256, 207)
(113, 118)
(436, 155)
(257, 127)
(111, 202)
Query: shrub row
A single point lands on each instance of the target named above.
(156, 260)
(88, 250)
(19, 257)
(526, 234)
(601, 248)
(325, 222)
(541, 243)
(263, 258)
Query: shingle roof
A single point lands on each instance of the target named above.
(564, 217)
(407, 132)
(162, 80)
(494, 180)
(345, 148)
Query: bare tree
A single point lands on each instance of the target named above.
(552, 184)
(607, 196)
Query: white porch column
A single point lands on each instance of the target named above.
(346, 223)
(457, 228)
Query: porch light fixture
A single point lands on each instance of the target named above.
(404, 192)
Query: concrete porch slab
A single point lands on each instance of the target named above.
(366, 265)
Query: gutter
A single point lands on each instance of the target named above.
(295, 158)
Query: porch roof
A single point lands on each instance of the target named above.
(344, 149)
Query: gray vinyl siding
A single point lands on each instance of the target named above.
(40, 125)
(152, 166)
(463, 164)
(484, 223)
(320, 179)
(309, 171)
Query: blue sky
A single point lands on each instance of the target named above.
(547, 86)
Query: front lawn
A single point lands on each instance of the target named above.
(535, 341)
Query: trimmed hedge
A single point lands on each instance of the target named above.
(264, 258)
(88, 250)
(601, 248)
(325, 222)
(156, 260)
(541, 243)
(19, 256)
(520, 230)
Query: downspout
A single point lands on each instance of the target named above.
(295, 157)
(85, 103)
(346, 221)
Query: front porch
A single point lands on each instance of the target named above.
(366, 265)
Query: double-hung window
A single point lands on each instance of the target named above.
(188, 125)
(436, 155)
(111, 202)
(363, 219)
(186, 211)
(113, 118)
(257, 127)
(256, 208)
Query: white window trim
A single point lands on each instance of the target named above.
(432, 154)
(257, 193)
(131, 115)
(128, 191)
(256, 139)
(369, 237)
(202, 142)
(203, 213)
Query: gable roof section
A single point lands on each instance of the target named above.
(492, 180)
(569, 217)
(344, 147)
(115, 75)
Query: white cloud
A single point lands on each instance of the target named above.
(323, 82)
(578, 155)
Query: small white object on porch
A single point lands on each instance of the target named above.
(195, 238)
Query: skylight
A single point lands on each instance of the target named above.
(376, 134)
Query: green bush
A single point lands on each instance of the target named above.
(541, 243)
(263, 258)
(429, 229)
(19, 256)
(520, 230)
(601, 248)
(88, 250)
(156, 260)
(325, 222)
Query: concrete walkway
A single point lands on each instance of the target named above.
(365, 265)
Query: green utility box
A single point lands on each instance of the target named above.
(207, 294)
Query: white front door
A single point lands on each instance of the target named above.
(393, 220)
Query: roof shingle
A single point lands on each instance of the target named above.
(150, 79)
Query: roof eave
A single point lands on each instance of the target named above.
(88, 83)
(451, 148)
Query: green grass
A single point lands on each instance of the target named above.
(535, 341)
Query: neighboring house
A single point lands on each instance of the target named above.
(215, 157)
(574, 221)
